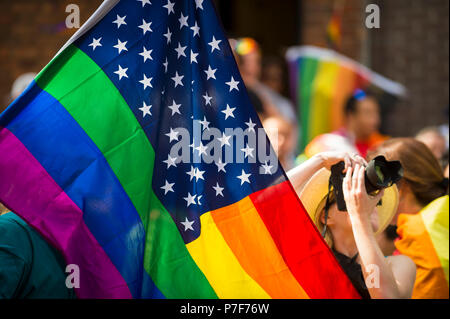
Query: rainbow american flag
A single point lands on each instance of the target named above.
(87, 161)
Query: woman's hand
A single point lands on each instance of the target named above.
(360, 205)
(334, 157)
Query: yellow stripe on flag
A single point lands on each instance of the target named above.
(435, 218)
(220, 266)
(323, 93)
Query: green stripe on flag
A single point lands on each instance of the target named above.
(87, 93)
(307, 73)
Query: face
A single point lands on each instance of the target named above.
(340, 221)
(366, 119)
(273, 77)
(279, 134)
(435, 142)
(251, 65)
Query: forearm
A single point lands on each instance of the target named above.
(302, 173)
(385, 287)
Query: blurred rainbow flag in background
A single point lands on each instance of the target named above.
(321, 80)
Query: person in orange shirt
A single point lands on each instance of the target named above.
(422, 217)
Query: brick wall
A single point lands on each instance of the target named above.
(31, 32)
(411, 47)
(315, 15)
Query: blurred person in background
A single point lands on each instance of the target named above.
(433, 138)
(248, 56)
(362, 121)
(422, 218)
(278, 130)
(20, 84)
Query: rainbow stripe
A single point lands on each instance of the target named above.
(424, 238)
(321, 80)
(79, 167)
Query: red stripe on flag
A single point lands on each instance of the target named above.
(305, 252)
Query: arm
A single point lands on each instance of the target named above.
(302, 173)
(360, 205)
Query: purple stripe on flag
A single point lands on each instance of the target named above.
(50, 211)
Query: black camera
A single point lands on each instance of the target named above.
(379, 174)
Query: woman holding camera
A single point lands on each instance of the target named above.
(351, 234)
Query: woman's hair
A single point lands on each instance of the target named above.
(421, 170)
(318, 219)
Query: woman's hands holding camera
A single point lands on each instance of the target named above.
(360, 205)
(333, 157)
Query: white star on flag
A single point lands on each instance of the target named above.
(121, 72)
(168, 187)
(196, 29)
(228, 112)
(146, 82)
(180, 50)
(183, 21)
(207, 99)
(121, 46)
(168, 35)
(199, 4)
(251, 125)
(201, 149)
(95, 43)
(166, 65)
(244, 177)
(190, 199)
(170, 161)
(169, 6)
(192, 173)
(248, 151)
(224, 140)
(173, 135)
(199, 174)
(267, 168)
(194, 57)
(204, 123)
(220, 166)
(145, 109)
(147, 54)
(175, 108)
(218, 190)
(210, 73)
(187, 224)
(233, 84)
(178, 79)
(214, 44)
(119, 21)
(146, 26)
(144, 2)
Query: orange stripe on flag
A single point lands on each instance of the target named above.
(252, 244)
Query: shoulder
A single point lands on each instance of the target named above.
(402, 261)
(404, 270)
(15, 236)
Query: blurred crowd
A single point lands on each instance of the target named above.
(422, 192)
